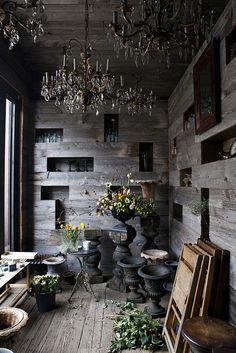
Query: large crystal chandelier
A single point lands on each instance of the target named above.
(159, 26)
(79, 85)
(135, 99)
(14, 15)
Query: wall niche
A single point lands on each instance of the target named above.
(67, 164)
(111, 128)
(48, 135)
(189, 118)
(185, 177)
(54, 192)
(145, 157)
(220, 146)
(178, 212)
(230, 45)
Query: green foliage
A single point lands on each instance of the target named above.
(199, 207)
(44, 284)
(134, 328)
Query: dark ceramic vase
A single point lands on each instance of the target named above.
(130, 265)
(123, 216)
(154, 277)
(46, 301)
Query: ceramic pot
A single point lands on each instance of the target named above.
(46, 301)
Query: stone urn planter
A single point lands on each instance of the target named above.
(172, 264)
(154, 276)
(11, 321)
(130, 265)
(148, 188)
(150, 225)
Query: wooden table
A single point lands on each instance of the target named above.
(6, 284)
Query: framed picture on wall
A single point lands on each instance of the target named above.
(206, 78)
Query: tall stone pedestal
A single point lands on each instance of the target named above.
(122, 235)
(92, 262)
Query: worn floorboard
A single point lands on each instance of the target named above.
(84, 326)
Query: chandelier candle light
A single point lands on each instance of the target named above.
(159, 26)
(13, 14)
(79, 86)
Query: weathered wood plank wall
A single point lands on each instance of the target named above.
(83, 136)
(218, 176)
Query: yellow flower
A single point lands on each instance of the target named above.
(82, 226)
(61, 226)
(68, 226)
(75, 227)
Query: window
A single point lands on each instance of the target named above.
(9, 172)
(9, 168)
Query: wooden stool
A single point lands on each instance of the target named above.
(206, 333)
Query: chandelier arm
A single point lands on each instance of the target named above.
(137, 24)
(175, 14)
(127, 35)
(78, 43)
(14, 5)
(17, 20)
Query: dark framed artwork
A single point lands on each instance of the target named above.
(206, 78)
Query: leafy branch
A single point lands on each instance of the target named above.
(134, 328)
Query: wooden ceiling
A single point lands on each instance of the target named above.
(65, 20)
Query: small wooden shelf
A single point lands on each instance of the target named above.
(48, 135)
(230, 46)
(67, 164)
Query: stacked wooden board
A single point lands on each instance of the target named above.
(200, 288)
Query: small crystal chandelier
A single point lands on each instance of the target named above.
(159, 26)
(82, 86)
(13, 14)
(135, 99)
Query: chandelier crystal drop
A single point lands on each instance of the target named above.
(136, 100)
(159, 27)
(14, 15)
(78, 84)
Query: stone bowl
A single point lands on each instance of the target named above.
(11, 321)
(154, 256)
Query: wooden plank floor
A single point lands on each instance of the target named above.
(83, 326)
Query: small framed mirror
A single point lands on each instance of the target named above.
(206, 77)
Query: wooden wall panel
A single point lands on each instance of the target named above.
(219, 176)
(83, 136)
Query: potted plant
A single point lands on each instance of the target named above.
(123, 203)
(44, 289)
(71, 237)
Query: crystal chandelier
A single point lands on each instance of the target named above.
(13, 15)
(79, 86)
(159, 26)
(135, 99)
